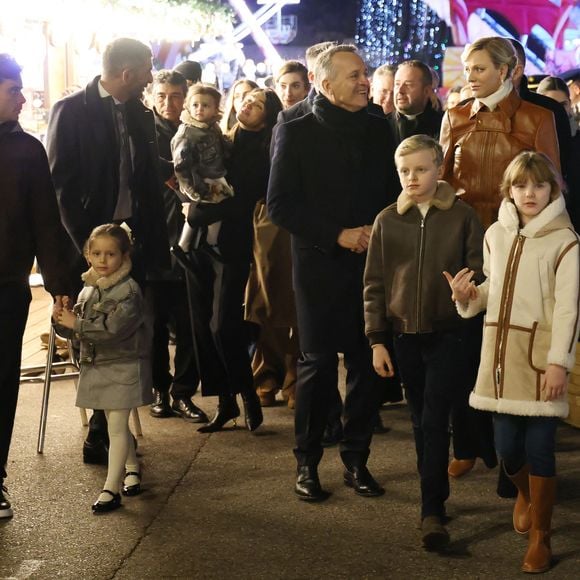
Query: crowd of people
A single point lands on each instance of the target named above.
(332, 214)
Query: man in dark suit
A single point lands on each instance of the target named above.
(169, 294)
(563, 130)
(332, 172)
(104, 160)
(414, 113)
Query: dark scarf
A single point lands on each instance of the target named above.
(351, 126)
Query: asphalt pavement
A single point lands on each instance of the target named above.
(222, 506)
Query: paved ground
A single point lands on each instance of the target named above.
(221, 506)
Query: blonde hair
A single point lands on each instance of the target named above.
(500, 50)
(208, 90)
(534, 166)
(420, 143)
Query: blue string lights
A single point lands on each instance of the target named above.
(391, 31)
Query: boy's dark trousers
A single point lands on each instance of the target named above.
(433, 370)
(14, 302)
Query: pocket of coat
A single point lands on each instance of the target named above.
(539, 346)
(125, 373)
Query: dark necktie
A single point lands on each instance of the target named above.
(124, 208)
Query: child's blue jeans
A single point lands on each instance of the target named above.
(532, 440)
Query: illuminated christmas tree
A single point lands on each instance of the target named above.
(391, 31)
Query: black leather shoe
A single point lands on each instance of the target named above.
(160, 407)
(433, 534)
(5, 506)
(308, 486)
(252, 410)
(95, 452)
(363, 483)
(227, 410)
(332, 434)
(102, 507)
(188, 411)
(132, 490)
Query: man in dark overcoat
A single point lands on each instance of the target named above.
(332, 172)
(104, 160)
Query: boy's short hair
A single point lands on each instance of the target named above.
(420, 143)
(9, 68)
(531, 165)
(208, 90)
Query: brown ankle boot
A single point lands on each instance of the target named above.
(543, 496)
(522, 518)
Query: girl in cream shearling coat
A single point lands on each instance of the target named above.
(531, 294)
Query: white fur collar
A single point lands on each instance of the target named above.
(443, 199)
(92, 278)
(553, 217)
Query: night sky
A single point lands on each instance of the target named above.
(320, 20)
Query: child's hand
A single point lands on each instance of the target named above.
(67, 318)
(554, 382)
(382, 361)
(462, 288)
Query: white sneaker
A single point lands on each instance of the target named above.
(5, 507)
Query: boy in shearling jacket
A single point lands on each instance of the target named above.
(428, 231)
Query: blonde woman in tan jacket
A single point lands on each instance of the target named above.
(531, 260)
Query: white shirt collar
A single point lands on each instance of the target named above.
(492, 100)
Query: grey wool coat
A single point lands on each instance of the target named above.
(115, 342)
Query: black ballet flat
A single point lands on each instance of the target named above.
(102, 507)
(132, 490)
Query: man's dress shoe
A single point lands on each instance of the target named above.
(363, 483)
(307, 486)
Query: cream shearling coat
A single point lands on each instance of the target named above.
(531, 295)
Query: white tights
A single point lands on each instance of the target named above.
(121, 450)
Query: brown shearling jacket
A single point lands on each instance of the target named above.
(404, 287)
(478, 146)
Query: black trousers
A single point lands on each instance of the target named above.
(169, 304)
(216, 296)
(433, 370)
(14, 303)
(316, 394)
(472, 430)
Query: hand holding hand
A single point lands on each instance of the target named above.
(354, 239)
(66, 316)
(554, 382)
(462, 288)
(382, 361)
(57, 307)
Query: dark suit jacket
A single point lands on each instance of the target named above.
(83, 156)
(316, 189)
(563, 129)
(427, 123)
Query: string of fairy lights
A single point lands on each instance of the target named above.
(391, 31)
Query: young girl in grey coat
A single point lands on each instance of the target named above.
(109, 322)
